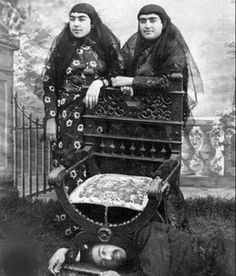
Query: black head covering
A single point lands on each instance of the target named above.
(163, 62)
(158, 43)
(148, 9)
(87, 9)
(105, 43)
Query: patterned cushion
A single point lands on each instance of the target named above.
(113, 190)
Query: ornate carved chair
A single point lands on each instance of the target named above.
(129, 144)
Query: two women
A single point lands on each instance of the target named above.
(147, 61)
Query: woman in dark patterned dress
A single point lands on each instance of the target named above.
(148, 59)
(84, 54)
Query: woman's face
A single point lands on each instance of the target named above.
(80, 24)
(150, 26)
(107, 255)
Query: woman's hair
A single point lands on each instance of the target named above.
(168, 51)
(160, 44)
(105, 43)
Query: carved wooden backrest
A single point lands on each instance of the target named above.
(146, 127)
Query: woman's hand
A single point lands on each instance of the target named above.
(51, 129)
(127, 90)
(54, 175)
(109, 273)
(121, 81)
(57, 260)
(91, 98)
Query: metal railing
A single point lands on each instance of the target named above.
(32, 154)
(207, 151)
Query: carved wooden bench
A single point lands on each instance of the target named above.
(142, 132)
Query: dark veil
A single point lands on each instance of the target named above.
(105, 43)
(167, 50)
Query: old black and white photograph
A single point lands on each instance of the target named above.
(117, 138)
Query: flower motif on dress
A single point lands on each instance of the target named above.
(57, 219)
(79, 51)
(46, 78)
(80, 127)
(63, 217)
(86, 48)
(64, 114)
(53, 113)
(69, 123)
(77, 115)
(73, 174)
(79, 181)
(93, 63)
(77, 145)
(63, 101)
(68, 232)
(75, 227)
(52, 88)
(47, 99)
(68, 70)
(76, 62)
(60, 145)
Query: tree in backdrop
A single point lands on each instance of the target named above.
(29, 59)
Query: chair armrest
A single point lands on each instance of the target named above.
(160, 184)
(57, 175)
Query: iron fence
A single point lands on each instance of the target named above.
(207, 151)
(32, 154)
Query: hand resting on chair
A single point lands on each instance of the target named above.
(56, 175)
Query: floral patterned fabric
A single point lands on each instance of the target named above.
(67, 107)
(113, 190)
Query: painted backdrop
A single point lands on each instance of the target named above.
(207, 25)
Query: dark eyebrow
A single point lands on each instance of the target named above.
(81, 16)
(148, 18)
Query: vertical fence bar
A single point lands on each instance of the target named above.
(30, 153)
(23, 151)
(44, 164)
(49, 160)
(15, 141)
(37, 156)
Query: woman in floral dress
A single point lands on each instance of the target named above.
(83, 55)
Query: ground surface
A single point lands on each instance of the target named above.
(26, 222)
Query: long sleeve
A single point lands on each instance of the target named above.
(50, 88)
(173, 62)
(151, 82)
(154, 253)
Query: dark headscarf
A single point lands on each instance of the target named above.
(168, 50)
(105, 43)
